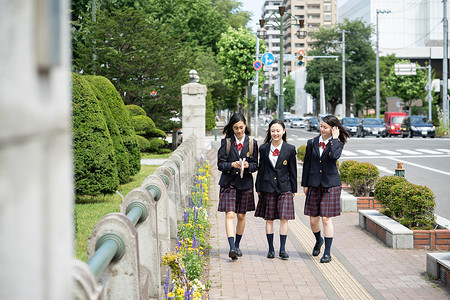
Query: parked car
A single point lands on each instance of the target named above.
(370, 126)
(298, 122)
(350, 124)
(313, 124)
(288, 117)
(417, 125)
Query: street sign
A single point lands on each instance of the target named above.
(257, 65)
(267, 68)
(268, 58)
(372, 111)
(405, 69)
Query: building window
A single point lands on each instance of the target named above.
(314, 6)
(299, 7)
(327, 17)
(299, 45)
(327, 7)
(300, 17)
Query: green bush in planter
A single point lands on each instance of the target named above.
(301, 153)
(383, 188)
(413, 205)
(344, 169)
(362, 178)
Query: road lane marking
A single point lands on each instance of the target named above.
(444, 150)
(346, 152)
(429, 151)
(407, 151)
(384, 169)
(419, 166)
(388, 152)
(368, 152)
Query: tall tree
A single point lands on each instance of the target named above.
(137, 58)
(237, 50)
(359, 55)
(408, 87)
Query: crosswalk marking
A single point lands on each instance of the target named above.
(368, 152)
(348, 153)
(444, 150)
(388, 152)
(408, 151)
(429, 151)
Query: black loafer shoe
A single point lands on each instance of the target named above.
(233, 254)
(316, 250)
(239, 252)
(284, 255)
(271, 254)
(325, 258)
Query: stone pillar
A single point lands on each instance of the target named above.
(194, 110)
(36, 189)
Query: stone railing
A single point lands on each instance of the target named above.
(124, 249)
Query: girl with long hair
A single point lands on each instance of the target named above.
(321, 182)
(276, 184)
(237, 159)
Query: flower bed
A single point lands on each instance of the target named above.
(184, 276)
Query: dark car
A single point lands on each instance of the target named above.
(313, 124)
(370, 126)
(350, 124)
(417, 125)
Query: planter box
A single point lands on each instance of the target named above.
(394, 234)
(368, 203)
(436, 239)
(438, 266)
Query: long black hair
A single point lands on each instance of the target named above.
(268, 138)
(236, 117)
(333, 121)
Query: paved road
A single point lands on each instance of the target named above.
(426, 161)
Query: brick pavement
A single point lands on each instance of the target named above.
(378, 271)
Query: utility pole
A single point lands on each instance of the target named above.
(256, 83)
(280, 67)
(377, 96)
(445, 68)
(344, 104)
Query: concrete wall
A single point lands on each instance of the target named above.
(36, 202)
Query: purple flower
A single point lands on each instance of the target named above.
(167, 283)
(186, 216)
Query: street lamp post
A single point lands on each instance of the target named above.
(344, 104)
(377, 67)
(281, 11)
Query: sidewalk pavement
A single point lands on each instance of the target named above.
(362, 267)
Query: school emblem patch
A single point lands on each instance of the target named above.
(285, 162)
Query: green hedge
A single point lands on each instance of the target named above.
(412, 205)
(362, 178)
(301, 152)
(94, 159)
(210, 116)
(142, 124)
(344, 169)
(383, 188)
(123, 121)
(99, 85)
(135, 110)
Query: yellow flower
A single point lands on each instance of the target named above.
(170, 295)
(180, 291)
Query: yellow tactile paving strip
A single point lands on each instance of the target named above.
(337, 275)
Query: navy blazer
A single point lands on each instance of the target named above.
(321, 170)
(228, 173)
(282, 178)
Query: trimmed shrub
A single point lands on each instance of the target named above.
(412, 205)
(210, 116)
(362, 178)
(135, 110)
(156, 144)
(301, 152)
(120, 153)
(143, 143)
(155, 132)
(383, 188)
(142, 124)
(95, 164)
(123, 121)
(344, 169)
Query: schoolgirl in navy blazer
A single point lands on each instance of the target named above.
(236, 196)
(321, 181)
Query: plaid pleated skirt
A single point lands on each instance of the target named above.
(323, 202)
(273, 206)
(232, 199)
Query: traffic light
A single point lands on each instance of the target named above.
(301, 53)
